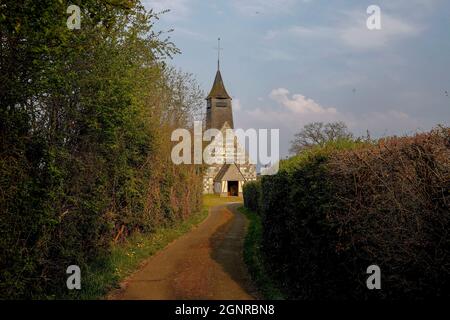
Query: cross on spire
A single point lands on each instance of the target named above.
(218, 53)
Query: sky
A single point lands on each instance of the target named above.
(287, 63)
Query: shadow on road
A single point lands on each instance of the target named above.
(227, 244)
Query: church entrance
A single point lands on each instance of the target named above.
(233, 188)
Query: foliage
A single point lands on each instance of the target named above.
(254, 258)
(106, 271)
(318, 134)
(84, 138)
(332, 211)
(252, 192)
(211, 200)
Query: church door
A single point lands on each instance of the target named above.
(233, 188)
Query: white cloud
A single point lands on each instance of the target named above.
(185, 32)
(292, 112)
(300, 32)
(253, 7)
(383, 123)
(274, 54)
(299, 103)
(179, 9)
(353, 32)
(357, 35)
(416, 7)
(236, 104)
(284, 119)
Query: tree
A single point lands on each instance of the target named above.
(85, 122)
(319, 133)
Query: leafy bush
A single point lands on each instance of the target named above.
(333, 211)
(85, 122)
(252, 191)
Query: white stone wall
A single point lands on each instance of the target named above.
(239, 155)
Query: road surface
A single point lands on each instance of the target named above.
(206, 263)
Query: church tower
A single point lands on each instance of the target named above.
(229, 177)
(218, 102)
(218, 105)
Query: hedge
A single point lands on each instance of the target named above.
(85, 123)
(252, 192)
(333, 211)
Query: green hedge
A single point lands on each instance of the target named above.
(85, 123)
(252, 192)
(333, 211)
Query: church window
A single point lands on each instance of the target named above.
(221, 104)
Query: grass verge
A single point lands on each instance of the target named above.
(108, 271)
(210, 200)
(254, 259)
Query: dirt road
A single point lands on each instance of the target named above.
(206, 263)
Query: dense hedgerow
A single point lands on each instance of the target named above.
(85, 122)
(252, 192)
(333, 211)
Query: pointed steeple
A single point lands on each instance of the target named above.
(218, 90)
(219, 111)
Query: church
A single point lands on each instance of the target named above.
(229, 178)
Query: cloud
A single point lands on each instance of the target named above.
(236, 104)
(252, 7)
(298, 109)
(299, 103)
(179, 9)
(358, 36)
(185, 32)
(291, 112)
(416, 7)
(353, 32)
(383, 123)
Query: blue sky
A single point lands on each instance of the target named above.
(290, 62)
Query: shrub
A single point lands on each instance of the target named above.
(84, 139)
(391, 208)
(252, 191)
(333, 211)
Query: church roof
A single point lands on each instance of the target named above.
(218, 89)
(229, 172)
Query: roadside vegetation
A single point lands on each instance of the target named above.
(105, 273)
(341, 206)
(254, 258)
(211, 200)
(85, 123)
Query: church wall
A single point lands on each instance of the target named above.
(211, 187)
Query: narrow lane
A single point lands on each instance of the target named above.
(206, 263)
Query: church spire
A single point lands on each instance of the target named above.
(219, 110)
(218, 90)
